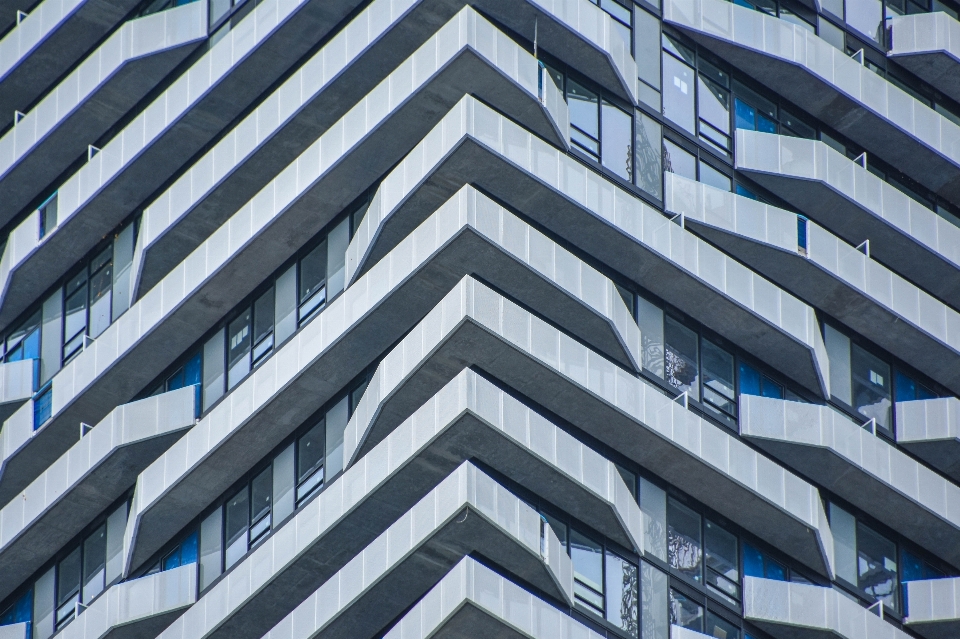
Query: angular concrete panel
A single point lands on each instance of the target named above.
(802, 611)
(859, 467)
(90, 100)
(136, 609)
(928, 44)
(89, 477)
(17, 385)
(846, 198)
(357, 528)
(255, 241)
(356, 329)
(930, 429)
(476, 327)
(828, 273)
(488, 150)
(263, 143)
(933, 608)
(469, 513)
(831, 86)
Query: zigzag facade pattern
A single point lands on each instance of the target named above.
(368, 319)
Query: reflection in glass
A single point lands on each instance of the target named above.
(648, 162)
(685, 612)
(237, 523)
(718, 378)
(866, 16)
(587, 557)
(622, 594)
(94, 563)
(714, 103)
(871, 387)
(238, 349)
(678, 89)
(877, 566)
(721, 628)
(616, 147)
(676, 160)
(310, 448)
(722, 561)
(655, 613)
(681, 363)
(584, 106)
(753, 383)
(683, 540)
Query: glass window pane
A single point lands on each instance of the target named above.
(838, 352)
(685, 612)
(871, 387)
(844, 529)
(649, 169)
(238, 349)
(284, 482)
(313, 276)
(684, 53)
(655, 615)
(237, 523)
(213, 377)
(263, 311)
(338, 240)
(676, 160)
(718, 378)
(749, 380)
(866, 16)
(752, 561)
(905, 387)
(622, 594)
(796, 128)
(68, 586)
(101, 300)
(584, 109)
(615, 143)
(681, 363)
(337, 418)
(94, 563)
(684, 541)
(116, 526)
(722, 558)
(647, 47)
(43, 605)
(211, 548)
(261, 493)
(75, 321)
(24, 342)
(310, 460)
(19, 612)
(712, 177)
(877, 566)
(678, 88)
(721, 628)
(714, 103)
(587, 557)
(745, 116)
(653, 507)
(286, 306)
(188, 550)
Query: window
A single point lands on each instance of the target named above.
(647, 54)
(19, 612)
(237, 523)
(75, 315)
(722, 563)
(877, 566)
(261, 493)
(24, 341)
(718, 384)
(238, 349)
(753, 383)
(757, 564)
(713, 101)
(310, 461)
(684, 542)
(587, 557)
(908, 389)
(866, 16)
(42, 407)
(721, 628)
(677, 160)
(622, 593)
(263, 315)
(68, 587)
(616, 135)
(681, 362)
(678, 97)
(584, 118)
(685, 612)
(649, 172)
(871, 388)
(313, 274)
(655, 614)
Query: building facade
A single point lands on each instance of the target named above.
(480, 318)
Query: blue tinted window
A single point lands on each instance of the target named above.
(188, 550)
(770, 388)
(744, 192)
(752, 561)
(19, 612)
(749, 380)
(766, 125)
(42, 408)
(745, 115)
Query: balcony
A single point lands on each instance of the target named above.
(466, 55)
(860, 467)
(474, 601)
(17, 386)
(476, 327)
(83, 106)
(802, 611)
(930, 429)
(469, 513)
(855, 204)
(354, 330)
(45, 44)
(934, 608)
(86, 480)
(137, 608)
(486, 149)
(465, 511)
(829, 274)
(928, 44)
(256, 240)
(830, 86)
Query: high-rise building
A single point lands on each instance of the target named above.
(409, 319)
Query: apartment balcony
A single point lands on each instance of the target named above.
(856, 205)
(175, 126)
(827, 273)
(930, 429)
(469, 513)
(860, 467)
(83, 106)
(802, 611)
(489, 151)
(928, 44)
(356, 328)
(138, 608)
(474, 601)
(86, 480)
(467, 55)
(45, 44)
(257, 239)
(17, 386)
(933, 608)
(465, 512)
(476, 327)
(830, 86)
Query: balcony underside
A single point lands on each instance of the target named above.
(939, 68)
(825, 291)
(942, 454)
(855, 224)
(472, 162)
(848, 116)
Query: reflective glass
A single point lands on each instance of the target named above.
(649, 155)
(237, 523)
(678, 89)
(587, 557)
(655, 615)
(238, 349)
(871, 387)
(866, 16)
(615, 142)
(721, 628)
(722, 560)
(647, 47)
(714, 102)
(622, 594)
(685, 612)
(310, 449)
(684, 547)
(877, 566)
(584, 106)
(313, 275)
(712, 177)
(681, 362)
(94, 563)
(261, 494)
(718, 378)
(676, 160)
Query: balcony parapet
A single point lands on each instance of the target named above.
(930, 429)
(928, 44)
(933, 607)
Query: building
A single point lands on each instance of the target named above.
(489, 318)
